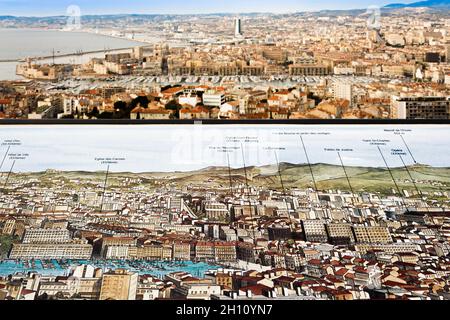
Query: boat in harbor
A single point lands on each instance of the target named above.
(63, 267)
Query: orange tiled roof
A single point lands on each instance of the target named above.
(150, 111)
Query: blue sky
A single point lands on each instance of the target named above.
(58, 7)
(187, 147)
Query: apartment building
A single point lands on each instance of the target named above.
(225, 251)
(197, 291)
(9, 226)
(213, 99)
(314, 230)
(373, 234)
(391, 248)
(437, 108)
(77, 251)
(119, 285)
(117, 252)
(308, 70)
(340, 233)
(118, 241)
(204, 250)
(343, 90)
(181, 250)
(150, 252)
(216, 210)
(46, 236)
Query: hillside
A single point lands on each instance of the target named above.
(327, 177)
(294, 176)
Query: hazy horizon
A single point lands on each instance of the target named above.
(5, 170)
(186, 148)
(49, 8)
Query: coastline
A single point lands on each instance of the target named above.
(8, 64)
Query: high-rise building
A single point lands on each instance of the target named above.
(447, 53)
(119, 285)
(343, 90)
(237, 27)
(420, 108)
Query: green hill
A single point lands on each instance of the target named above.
(294, 176)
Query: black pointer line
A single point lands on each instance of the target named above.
(348, 181)
(4, 158)
(311, 170)
(284, 190)
(346, 175)
(309, 164)
(104, 189)
(392, 176)
(410, 153)
(248, 190)
(229, 175)
(9, 173)
(409, 150)
(410, 176)
(231, 181)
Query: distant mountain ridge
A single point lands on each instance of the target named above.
(420, 4)
(431, 4)
(327, 177)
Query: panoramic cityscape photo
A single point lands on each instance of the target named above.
(214, 60)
